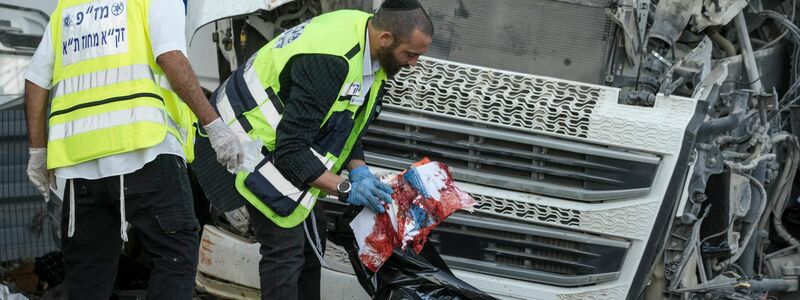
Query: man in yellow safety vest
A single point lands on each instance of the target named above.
(308, 96)
(123, 102)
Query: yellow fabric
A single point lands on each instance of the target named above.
(335, 34)
(112, 96)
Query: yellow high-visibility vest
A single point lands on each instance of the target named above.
(109, 96)
(250, 103)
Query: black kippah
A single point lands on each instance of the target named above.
(400, 5)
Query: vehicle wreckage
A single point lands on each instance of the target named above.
(637, 149)
(617, 149)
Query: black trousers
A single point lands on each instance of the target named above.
(289, 269)
(158, 202)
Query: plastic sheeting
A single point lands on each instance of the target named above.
(405, 274)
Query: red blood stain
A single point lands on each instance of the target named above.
(384, 238)
(381, 242)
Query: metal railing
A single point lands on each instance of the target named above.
(26, 229)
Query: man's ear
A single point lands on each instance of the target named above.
(385, 39)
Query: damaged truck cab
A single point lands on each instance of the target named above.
(635, 149)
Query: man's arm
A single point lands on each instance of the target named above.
(36, 101)
(356, 157)
(316, 81)
(315, 84)
(355, 163)
(328, 181)
(183, 81)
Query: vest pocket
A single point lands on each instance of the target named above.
(335, 134)
(272, 189)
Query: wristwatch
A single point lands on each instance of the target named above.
(343, 188)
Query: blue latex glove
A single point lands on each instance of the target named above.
(368, 191)
(361, 173)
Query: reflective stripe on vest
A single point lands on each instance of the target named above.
(250, 104)
(109, 96)
(106, 120)
(292, 196)
(101, 78)
(111, 119)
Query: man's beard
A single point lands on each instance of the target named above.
(388, 62)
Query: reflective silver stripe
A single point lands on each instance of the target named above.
(182, 131)
(266, 106)
(308, 200)
(280, 183)
(324, 160)
(171, 123)
(270, 114)
(239, 131)
(286, 188)
(163, 82)
(101, 78)
(254, 85)
(227, 114)
(106, 120)
(224, 105)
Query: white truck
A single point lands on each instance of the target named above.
(617, 149)
(635, 149)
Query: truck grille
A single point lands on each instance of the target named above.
(507, 159)
(528, 252)
(514, 100)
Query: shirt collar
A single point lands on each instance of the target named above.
(371, 66)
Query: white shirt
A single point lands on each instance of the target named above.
(370, 67)
(166, 26)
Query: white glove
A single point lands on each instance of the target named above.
(225, 143)
(37, 171)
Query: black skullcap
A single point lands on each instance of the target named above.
(401, 5)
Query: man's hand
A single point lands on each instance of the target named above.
(184, 83)
(226, 145)
(37, 171)
(368, 191)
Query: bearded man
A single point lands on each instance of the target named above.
(308, 96)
